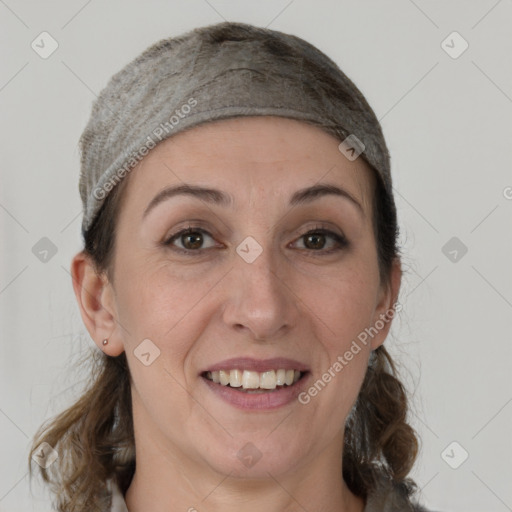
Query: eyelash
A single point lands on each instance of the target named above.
(341, 241)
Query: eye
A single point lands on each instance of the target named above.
(316, 240)
(192, 239)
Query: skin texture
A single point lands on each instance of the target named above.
(293, 301)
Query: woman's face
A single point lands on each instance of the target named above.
(246, 289)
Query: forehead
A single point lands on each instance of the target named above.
(247, 155)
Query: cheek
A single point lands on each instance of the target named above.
(344, 302)
(159, 303)
(341, 307)
(341, 310)
(156, 305)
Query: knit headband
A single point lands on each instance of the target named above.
(217, 72)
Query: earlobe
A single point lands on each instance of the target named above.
(94, 297)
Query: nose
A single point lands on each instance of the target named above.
(260, 298)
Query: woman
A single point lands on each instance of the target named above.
(239, 275)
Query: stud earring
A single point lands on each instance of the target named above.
(105, 341)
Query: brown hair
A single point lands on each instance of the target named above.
(95, 440)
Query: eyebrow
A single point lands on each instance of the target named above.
(215, 196)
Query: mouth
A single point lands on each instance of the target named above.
(248, 381)
(253, 384)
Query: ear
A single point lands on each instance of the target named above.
(95, 297)
(387, 305)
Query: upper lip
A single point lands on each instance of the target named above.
(257, 365)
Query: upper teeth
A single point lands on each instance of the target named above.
(253, 380)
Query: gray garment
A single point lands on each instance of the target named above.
(218, 72)
(118, 503)
(387, 499)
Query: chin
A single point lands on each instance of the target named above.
(256, 459)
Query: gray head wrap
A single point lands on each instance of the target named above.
(217, 72)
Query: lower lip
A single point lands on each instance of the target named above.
(266, 400)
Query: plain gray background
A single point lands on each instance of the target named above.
(448, 123)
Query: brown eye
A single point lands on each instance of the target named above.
(314, 241)
(318, 239)
(191, 239)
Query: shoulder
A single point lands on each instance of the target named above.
(386, 498)
(391, 497)
(117, 504)
(418, 508)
